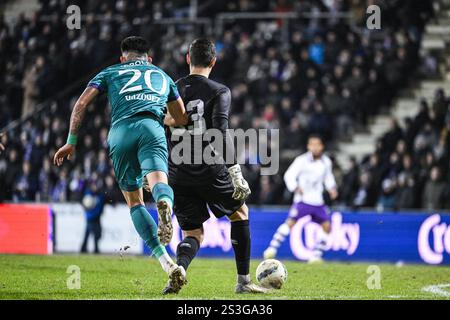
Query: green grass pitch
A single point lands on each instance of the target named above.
(130, 277)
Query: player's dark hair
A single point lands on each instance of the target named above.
(135, 44)
(316, 136)
(202, 52)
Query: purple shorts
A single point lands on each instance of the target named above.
(318, 213)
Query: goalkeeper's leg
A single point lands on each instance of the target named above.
(186, 252)
(240, 239)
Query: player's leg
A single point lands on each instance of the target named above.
(187, 249)
(240, 239)
(324, 235)
(219, 196)
(146, 227)
(123, 141)
(319, 215)
(153, 160)
(279, 237)
(163, 195)
(87, 232)
(191, 211)
(97, 227)
(296, 211)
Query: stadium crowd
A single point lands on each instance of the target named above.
(410, 167)
(323, 76)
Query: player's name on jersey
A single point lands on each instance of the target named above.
(143, 97)
(139, 63)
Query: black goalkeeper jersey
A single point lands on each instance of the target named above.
(208, 106)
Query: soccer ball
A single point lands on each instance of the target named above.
(271, 274)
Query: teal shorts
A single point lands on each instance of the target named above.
(137, 146)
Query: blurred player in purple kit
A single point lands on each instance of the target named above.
(308, 176)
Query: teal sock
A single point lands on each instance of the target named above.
(148, 230)
(162, 191)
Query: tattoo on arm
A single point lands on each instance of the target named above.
(77, 118)
(79, 110)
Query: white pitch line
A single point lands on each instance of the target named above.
(438, 289)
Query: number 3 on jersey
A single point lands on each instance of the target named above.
(196, 109)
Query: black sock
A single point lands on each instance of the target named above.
(186, 251)
(240, 238)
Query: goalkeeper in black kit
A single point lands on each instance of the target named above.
(198, 185)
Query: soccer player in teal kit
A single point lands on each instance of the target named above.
(139, 93)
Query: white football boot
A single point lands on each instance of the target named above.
(249, 287)
(177, 279)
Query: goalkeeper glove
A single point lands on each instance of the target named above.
(241, 188)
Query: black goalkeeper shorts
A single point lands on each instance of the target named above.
(192, 201)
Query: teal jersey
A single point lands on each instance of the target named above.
(134, 87)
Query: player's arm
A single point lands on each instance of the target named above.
(176, 113)
(220, 115)
(330, 182)
(169, 120)
(76, 119)
(291, 175)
